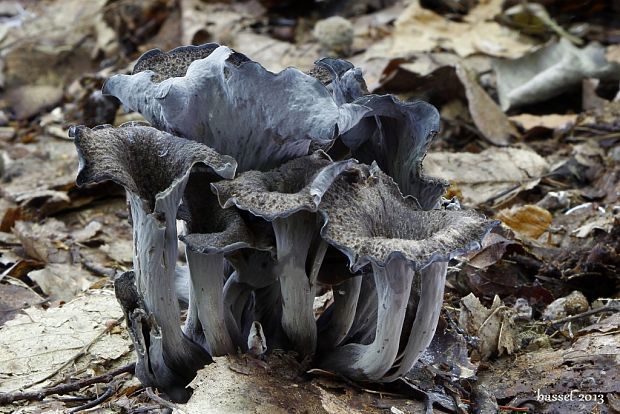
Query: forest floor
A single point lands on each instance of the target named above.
(530, 104)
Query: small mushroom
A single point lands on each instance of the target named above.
(396, 135)
(153, 167)
(368, 219)
(234, 105)
(288, 196)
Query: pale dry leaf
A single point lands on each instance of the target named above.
(551, 121)
(36, 343)
(550, 71)
(88, 232)
(422, 30)
(62, 281)
(488, 174)
(493, 326)
(604, 222)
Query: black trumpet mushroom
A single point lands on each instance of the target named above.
(234, 105)
(369, 220)
(239, 155)
(153, 167)
(288, 197)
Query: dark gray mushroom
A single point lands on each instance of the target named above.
(225, 234)
(216, 241)
(234, 105)
(153, 167)
(368, 219)
(396, 135)
(287, 197)
(341, 78)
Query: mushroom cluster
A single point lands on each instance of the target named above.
(284, 185)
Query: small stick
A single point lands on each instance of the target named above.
(164, 403)
(80, 354)
(103, 397)
(7, 398)
(505, 407)
(606, 308)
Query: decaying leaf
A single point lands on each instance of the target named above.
(418, 29)
(591, 366)
(62, 281)
(491, 174)
(494, 327)
(550, 71)
(33, 345)
(527, 220)
(15, 298)
(485, 113)
(236, 384)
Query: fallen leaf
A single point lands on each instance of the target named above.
(494, 246)
(421, 30)
(494, 327)
(28, 100)
(590, 366)
(61, 281)
(492, 174)
(15, 298)
(88, 232)
(528, 220)
(549, 72)
(35, 344)
(551, 121)
(486, 114)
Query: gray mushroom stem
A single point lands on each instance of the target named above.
(294, 235)
(342, 313)
(371, 362)
(171, 354)
(255, 270)
(207, 280)
(433, 278)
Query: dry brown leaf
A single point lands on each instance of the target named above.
(528, 220)
(486, 114)
(552, 121)
(15, 298)
(422, 30)
(493, 173)
(494, 327)
(61, 281)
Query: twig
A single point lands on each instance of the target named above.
(80, 354)
(607, 308)
(7, 398)
(103, 397)
(504, 407)
(164, 403)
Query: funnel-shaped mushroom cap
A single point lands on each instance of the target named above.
(396, 135)
(228, 232)
(147, 162)
(341, 78)
(235, 105)
(295, 186)
(369, 220)
(174, 64)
